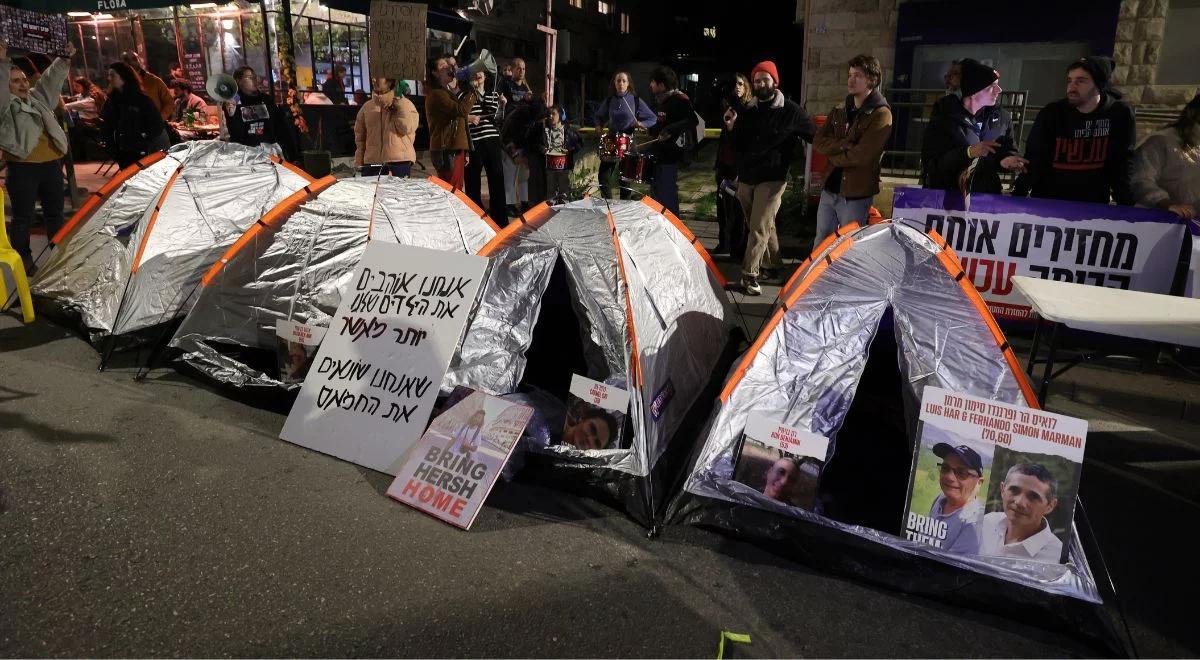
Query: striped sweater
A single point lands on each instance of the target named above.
(486, 106)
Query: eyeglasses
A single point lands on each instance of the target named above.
(961, 473)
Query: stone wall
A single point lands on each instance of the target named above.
(837, 30)
(1138, 45)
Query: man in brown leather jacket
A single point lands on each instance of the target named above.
(853, 139)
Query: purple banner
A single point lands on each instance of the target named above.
(1000, 237)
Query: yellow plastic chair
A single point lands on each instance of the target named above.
(9, 257)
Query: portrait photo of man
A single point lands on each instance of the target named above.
(1029, 493)
(960, 475)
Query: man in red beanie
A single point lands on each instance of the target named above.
(765, 136)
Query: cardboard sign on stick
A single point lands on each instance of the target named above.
(397, 39)
(371, 387)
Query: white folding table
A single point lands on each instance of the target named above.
(1133, 314)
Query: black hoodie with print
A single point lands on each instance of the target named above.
(1082, 157)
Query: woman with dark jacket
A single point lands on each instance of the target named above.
(255, 120)
(446, 112)
(132, 126)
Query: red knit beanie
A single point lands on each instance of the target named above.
(766, 66)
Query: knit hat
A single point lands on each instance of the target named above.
(766, 66)
(1100, 68)
(976, 77)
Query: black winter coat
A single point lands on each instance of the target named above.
(676, 118)
(130, 122)
(944, 147)
(765, 137)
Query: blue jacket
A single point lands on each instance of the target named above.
(616, 113)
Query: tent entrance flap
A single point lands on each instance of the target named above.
(866, 480)
(556, 350)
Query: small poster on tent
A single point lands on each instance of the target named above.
(296, 344)
(780, 461)
(994, 479)
(595, 414)
(454, 466)
(371, 387)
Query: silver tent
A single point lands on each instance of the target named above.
(809, 358)
(649, 304)
(294, 264)
(133, 254)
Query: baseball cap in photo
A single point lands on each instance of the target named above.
(969, 456)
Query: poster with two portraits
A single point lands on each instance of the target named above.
(988, 478)
(993, 479)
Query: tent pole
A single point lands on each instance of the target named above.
(112, 340)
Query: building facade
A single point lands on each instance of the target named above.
(1031, 42)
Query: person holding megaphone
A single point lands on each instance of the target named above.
(447, 108)
(255, 120)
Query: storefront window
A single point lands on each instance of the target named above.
(209, 40)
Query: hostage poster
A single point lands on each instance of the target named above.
(994, 479)
(782, 462)
(999, 237)
(451, 470)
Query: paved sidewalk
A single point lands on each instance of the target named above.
(165, 518)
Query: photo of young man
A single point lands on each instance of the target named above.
(1029, 493)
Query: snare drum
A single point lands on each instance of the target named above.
(638, 168)
(613, 147)
(556, 162)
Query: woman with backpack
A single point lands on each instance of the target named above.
(620, 114)
(132, 125)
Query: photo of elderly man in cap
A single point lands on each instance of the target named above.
(1028, 494)
(959, 475)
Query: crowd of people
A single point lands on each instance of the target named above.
(1081, 148)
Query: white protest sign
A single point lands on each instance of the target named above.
(789, 439)
(305, 335)
(397, 40)
(600, 395)
(371, 387)
(1016, 427)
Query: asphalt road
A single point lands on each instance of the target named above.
(165, 519)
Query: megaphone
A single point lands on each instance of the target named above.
(485, 62)
(221, 87)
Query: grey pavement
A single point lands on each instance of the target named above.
(164, 518)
